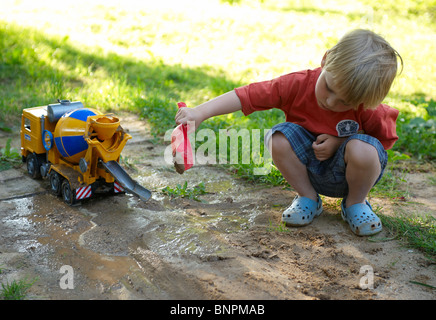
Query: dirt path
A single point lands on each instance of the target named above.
(229, 245)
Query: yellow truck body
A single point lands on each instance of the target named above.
(77, 149)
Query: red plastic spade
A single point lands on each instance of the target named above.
(181, 146)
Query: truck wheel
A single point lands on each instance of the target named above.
(33, 166)
(68, 195)
(55, 182)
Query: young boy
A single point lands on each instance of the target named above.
(336, 131)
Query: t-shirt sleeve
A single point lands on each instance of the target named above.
(266, 95)
(381, 124)
(259, 96)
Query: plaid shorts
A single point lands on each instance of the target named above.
(327, 177)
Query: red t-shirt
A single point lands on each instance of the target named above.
(294, 93)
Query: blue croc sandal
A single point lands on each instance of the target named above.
(302, 211)
(362, 220)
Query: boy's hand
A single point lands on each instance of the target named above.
(185, 115)
(326, 145)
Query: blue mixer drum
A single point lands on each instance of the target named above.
(69, 131)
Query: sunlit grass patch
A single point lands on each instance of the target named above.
(146, 56)
(417, 231)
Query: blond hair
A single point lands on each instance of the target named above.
(363, 66)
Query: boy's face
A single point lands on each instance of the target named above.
(327, 94)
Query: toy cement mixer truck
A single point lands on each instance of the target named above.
(77, 149)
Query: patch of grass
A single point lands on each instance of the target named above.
(277, 227)
(16, 290)
(9, 157)
(416, 231)
(417, 134)
(36, 69)
(185, 192)
(390, 184)
(273, 178)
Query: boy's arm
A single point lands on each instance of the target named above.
(226, 103)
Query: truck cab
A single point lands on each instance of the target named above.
(33, 122)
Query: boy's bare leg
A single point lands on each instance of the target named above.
(362, 171)
(291, 167)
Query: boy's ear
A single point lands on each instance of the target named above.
(324, 58)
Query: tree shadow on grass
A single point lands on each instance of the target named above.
(37, 69)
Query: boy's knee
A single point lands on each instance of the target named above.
(279, 143)
(360, 152)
